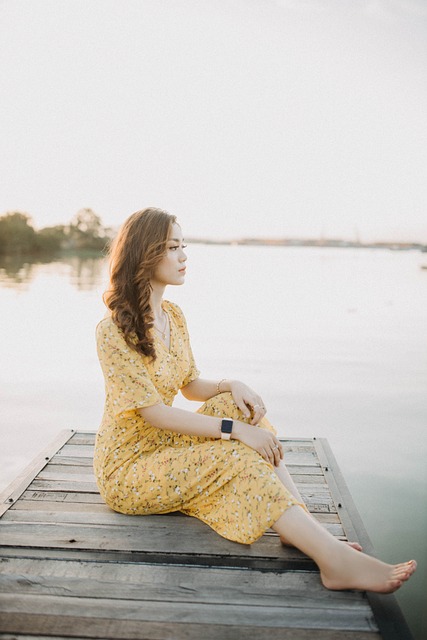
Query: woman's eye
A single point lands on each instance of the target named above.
(184, 246)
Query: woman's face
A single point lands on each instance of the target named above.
(171, 268)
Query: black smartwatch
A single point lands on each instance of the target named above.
(226, 429)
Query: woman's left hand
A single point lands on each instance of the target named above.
(249, 402)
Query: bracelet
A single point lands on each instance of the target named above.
(218, 384)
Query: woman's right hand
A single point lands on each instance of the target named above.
(261, 440)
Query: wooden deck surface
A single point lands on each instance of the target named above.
(72, 568)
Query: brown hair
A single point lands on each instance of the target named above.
(134, 255)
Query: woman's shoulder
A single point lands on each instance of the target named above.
(106, 327)
(175, 311)
(173, 308)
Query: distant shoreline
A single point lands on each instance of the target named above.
(304, 242)
(45, 255)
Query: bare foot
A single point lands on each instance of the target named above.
(350, 570)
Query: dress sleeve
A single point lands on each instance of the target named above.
(193, 372)
(127, 382)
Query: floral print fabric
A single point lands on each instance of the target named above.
(141, 469)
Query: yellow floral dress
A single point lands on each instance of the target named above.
(141, 469)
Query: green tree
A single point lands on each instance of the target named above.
(17, 235)
(51, 239)
(86, 231)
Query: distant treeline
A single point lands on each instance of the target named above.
(85, 232)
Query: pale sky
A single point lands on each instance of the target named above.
(242, 117)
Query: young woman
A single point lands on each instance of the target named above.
(223, 464)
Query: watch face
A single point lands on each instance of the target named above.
(226, 426)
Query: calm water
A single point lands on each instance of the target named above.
(334, 339)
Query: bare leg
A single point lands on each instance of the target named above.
(341, 567)
(287, 481)
(290, 485)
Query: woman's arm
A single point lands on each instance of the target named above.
(196, 424)
(248, 401)
(201, 390)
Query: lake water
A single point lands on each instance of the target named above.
(333, 339)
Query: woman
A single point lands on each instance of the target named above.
(223, 464)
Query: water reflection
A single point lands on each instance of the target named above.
(84, 272)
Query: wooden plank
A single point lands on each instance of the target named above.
(67, 474)
(189, 536)
(104, 518)
(73, 461)
(18, 486)
(190, 612)
(76, 507)
(62, 496)
(63, 485)
(174, 584)
(75, 450)
(292, 561)
(59, 470)
(391, 622)
(107, 629)
(70, 507)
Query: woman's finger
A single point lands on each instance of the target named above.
(256, 414)
(258, 411)
(271, 456)
(276, 453)
(279, 448)
(242, 406)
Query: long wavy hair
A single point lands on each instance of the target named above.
(134, 255)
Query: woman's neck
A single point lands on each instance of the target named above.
(156, 298)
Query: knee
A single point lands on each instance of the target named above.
(223, 406)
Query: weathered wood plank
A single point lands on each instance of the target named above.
(105, 518)
(76, 450)
(64, 506)
(70, 483)
(63, 485)
(72, 461)
(291, 562)
(190, 612)
(154, 534)
(18, 486)
(173, 584)
(76, 507)
(53, 471)
(322, 504)
(63, 496)
(107, 629)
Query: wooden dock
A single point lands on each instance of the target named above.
(72, 568)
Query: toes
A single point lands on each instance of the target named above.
(394, 585)
(404, 571)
